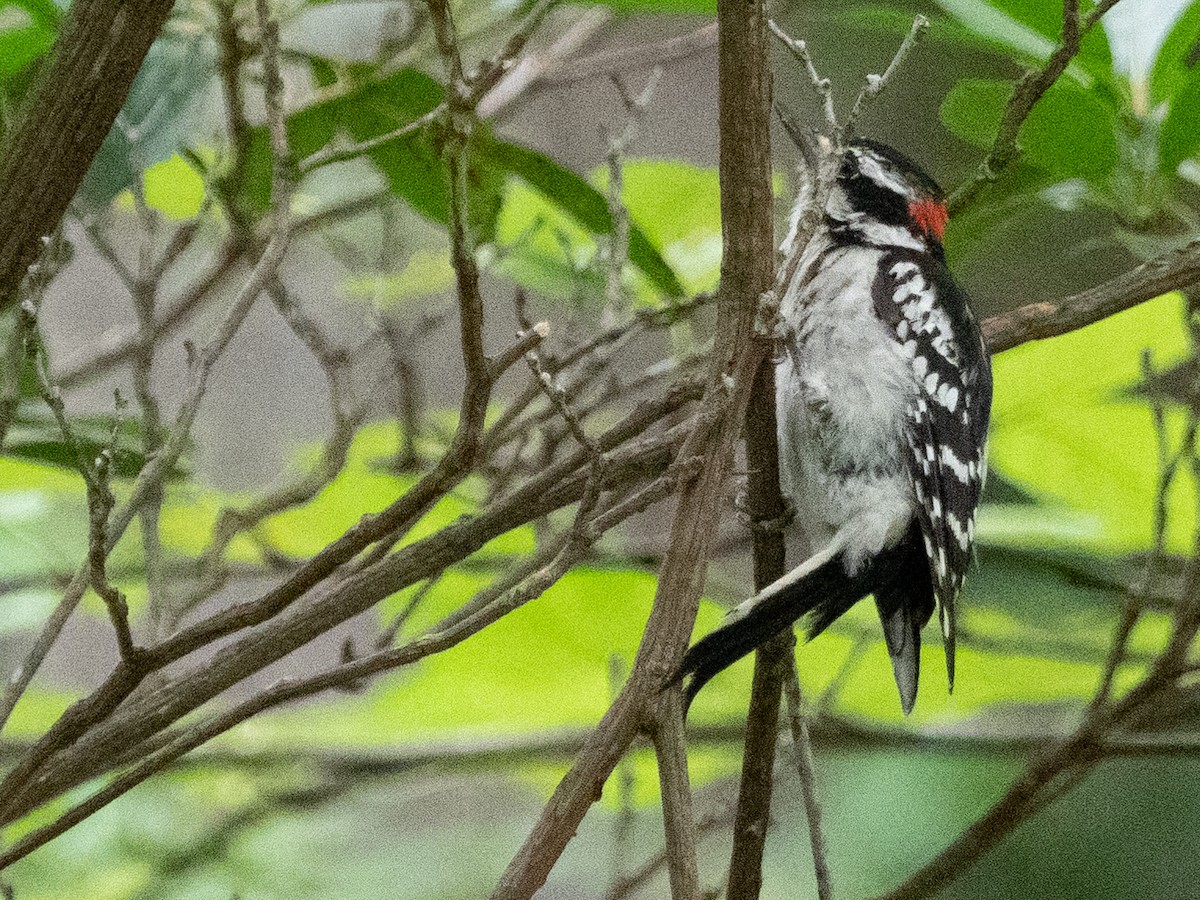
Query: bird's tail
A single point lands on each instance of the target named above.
(904, 598)
(899, 578)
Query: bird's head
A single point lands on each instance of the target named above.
(885, 198)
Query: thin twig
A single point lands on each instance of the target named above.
(806, 766)
(1135, 600)
(100, 500)
(744, 85)
(491, 72)
(346, 414)
(330, 155)
(821, 86)
(774, 659)
(1028, 90)
(145, 298)
(533, 69)
(156, 470)
(619, 60)
(558, 398)
(679, 817)
(618, 147)
(875, 84)
(1045, 319)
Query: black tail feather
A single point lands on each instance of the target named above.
(823, 595)
(904, 598)
(899, 578)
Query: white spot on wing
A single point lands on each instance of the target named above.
(961, 534)
(962, 471)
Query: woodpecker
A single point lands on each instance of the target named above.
(883, 396)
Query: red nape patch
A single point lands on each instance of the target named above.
(930, 216)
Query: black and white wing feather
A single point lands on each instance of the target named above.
(916, 297)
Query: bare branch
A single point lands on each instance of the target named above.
(534, 68)
(821, 86)
(617, 61)
(332, 154)
(346, 415)
(1036, 321)
(99, 50)
(876, 83)
(490, 73)
(95, 476)
(618, 146)
(753, 813)
(766, 507)
(180, 693)
(745, 273)
(449, 633)
(155, 471)
(1028, 793)
(629, 885)
(679, 818)
(1028, 90)
(805, 764)
(112, 349)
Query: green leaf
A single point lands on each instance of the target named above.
(991, 22)
(376, 107)
(675, 7)
(174, 188)
(585, 204)
(43, 522)
(38, 710)
(1069, 133)
(543, 248)
(35, 436)
(414, 168)
(1031, 28)
(973, 108)
(1170, 73)
(674, 206)
(678, 206)
(323, 70)
(187, 520)
(1036, 526)
(27, 31)
(1065, 428)
(1180, 135)
(893, 21)
(155, 119)
(426, 274)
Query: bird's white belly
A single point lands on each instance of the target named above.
(843, 390)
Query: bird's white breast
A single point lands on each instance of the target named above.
(843, 390)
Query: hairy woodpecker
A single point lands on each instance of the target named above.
(882, 399)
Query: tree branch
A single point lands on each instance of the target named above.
(1028, 90)
(132, 669)
(805, 764)
(65, 119)
(679, 817)
(766, 507)
(1036, 321)
(745, 273)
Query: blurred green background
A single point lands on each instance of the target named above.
(424, 784)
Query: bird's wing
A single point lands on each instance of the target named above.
(928, 313)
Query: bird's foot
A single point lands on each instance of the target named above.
(741, 503)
